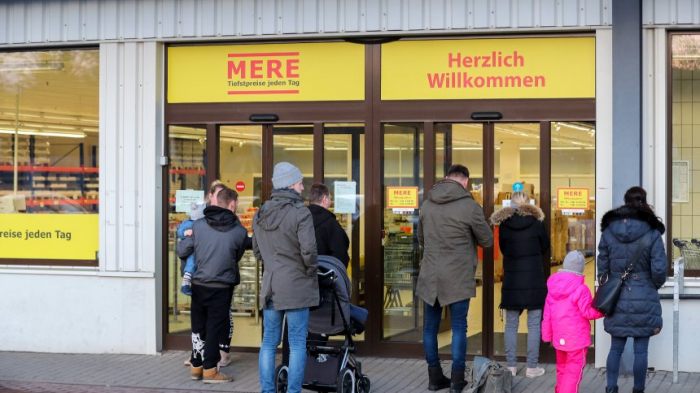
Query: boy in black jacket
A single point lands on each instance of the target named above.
(218, 242)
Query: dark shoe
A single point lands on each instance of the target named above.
(436, 379)
(637, 390)
(457, 383)
(611, 390)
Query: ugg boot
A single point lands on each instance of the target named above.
(611, 390)
(637, 390)
(196, 373)
(213, 375)
(436, 379)
(457, 383)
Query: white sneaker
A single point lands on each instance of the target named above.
(513, 370)
(534, 372)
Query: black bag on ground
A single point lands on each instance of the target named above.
(488, 376)
(608, 292)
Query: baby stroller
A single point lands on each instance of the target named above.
(331, 366)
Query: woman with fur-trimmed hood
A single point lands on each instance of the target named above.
(522, 240)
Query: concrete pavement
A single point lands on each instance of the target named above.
(42, 372)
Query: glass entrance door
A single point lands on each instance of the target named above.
(516, 160)
(240, 168)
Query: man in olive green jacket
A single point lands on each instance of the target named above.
(452, 224)
(285, 240)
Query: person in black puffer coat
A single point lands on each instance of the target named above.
(638, 310)
(523, 241)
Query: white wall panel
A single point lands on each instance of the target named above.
(128, 156)
(78, 314)
(23, 22)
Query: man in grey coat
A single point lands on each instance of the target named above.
(218, 242)
(285, 240)
(452, 224)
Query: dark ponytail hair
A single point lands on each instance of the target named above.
(637, 197)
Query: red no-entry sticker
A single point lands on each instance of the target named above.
(240, 186)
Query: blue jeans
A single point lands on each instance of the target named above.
(431, 325)
(641, 360)
(297, 323)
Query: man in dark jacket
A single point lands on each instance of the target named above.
(452, 224)
(284, 239)
(331, 239)
(218, 242)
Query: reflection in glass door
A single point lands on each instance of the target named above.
(401, 166)
(344, 174)
(295, 144)
(240, 163)
(187, 172)
(516, 159)
(573, 166)
(463, 144)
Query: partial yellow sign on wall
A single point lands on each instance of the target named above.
(266, 73)
(49, 236)
(402, 197)
(573, 198)
(489, 69)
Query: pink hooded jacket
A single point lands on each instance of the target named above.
(567, 312)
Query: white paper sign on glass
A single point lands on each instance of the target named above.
(183, 199)
(345, 197)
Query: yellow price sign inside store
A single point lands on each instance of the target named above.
(266, 73)
(402, 197)
(573, 198)
(489, 69)
(49, 236)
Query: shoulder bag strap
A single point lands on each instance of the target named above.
(643, 243)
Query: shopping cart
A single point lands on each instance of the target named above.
(690, 251)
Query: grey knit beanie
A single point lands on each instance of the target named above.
(574, 262)
(285, 175)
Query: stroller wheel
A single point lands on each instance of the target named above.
(282, 378)
(346, 381)
(363, 384)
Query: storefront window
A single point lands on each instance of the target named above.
(49, 139)
(685, 164)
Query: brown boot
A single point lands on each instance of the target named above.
(214, 376)
(196, 373)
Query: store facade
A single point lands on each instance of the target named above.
(373, 113)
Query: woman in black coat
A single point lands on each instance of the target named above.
(638, 310)
(523, 240)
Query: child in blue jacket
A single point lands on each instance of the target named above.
(183, 230)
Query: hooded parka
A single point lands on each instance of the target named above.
(638, 309)
(451, 226)
(284, 239)
(523, 240)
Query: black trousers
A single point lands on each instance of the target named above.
(209, 318)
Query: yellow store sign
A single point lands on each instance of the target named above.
(49, 236)
(257, 73)
(572, 198)
(402, 197)
(489, 69)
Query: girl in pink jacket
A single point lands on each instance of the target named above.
(565, 324)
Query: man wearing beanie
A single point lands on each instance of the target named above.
(285, 240)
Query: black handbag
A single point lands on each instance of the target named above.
(608, 292)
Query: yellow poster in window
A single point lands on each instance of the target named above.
(266, 73)
(49, 236)
(573, 198)
(402, 197)
(489, 69)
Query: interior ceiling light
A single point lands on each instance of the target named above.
(45, 133)
(33, 66)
